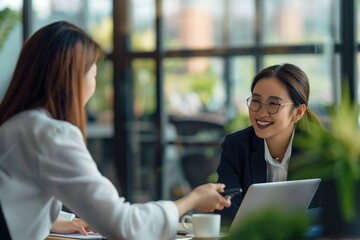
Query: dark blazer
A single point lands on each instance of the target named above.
(243, 163)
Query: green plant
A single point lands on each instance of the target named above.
(272, 224)
(240, 121)
(334, 154)
(8, 20)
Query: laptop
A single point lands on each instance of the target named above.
(293, 195)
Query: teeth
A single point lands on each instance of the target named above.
(263, 123)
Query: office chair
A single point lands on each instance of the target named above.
(198, 167)
(200, 138)
(4, 231)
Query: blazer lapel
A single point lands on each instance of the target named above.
(257, 161)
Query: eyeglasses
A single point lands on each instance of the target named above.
(272, 106)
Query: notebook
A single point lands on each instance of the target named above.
(288, 195)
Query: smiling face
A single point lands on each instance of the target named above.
(279, 125)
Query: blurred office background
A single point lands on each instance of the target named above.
(176, 75)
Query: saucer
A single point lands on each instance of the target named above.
(209, 238)
(206, 238)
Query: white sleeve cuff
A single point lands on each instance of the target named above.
(66, 216)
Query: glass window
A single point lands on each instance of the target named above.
(358, 55)
(10, 40)
(144, 107)
(142, 25)
(358, 20)
(193, 24)
(240, 22)
(194, 92)
(194, 86)
(299, 22)
(143, 75)
(95, 16)
(242, 74)
(100, 105)
(45, 12)
(357, 78)
(100, 23)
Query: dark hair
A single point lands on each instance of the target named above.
(50, 73)
(296, 83)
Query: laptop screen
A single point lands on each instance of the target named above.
(288, 195)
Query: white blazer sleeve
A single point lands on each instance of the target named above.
(68, 172)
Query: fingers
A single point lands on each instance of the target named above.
(221, 204)
(225, 202)
(73, 226)
(207, 197)
(220, 201)
(82, 230)
(219, 187)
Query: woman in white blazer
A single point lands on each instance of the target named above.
(44, 162)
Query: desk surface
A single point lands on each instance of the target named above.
(57, 238)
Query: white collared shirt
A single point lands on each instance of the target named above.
(44, 162)
(277, 171)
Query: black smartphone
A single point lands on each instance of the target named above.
(231, 192)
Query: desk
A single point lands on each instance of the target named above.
(57, 238)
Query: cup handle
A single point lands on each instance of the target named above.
(186, 225)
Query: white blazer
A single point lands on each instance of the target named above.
(44, 163)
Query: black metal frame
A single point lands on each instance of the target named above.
(349, 47)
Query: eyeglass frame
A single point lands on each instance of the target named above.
(248, 101)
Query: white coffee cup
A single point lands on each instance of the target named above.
(202, 224)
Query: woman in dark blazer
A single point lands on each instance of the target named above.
(264, 151)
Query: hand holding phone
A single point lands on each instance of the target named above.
(231, 192)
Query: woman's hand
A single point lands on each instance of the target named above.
(205, 198)
(75, 226)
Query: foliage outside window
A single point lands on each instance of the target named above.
(8, 20)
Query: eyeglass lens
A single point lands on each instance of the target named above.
(271, 105)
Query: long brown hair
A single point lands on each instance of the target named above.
(297, 85)
(50, 73)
